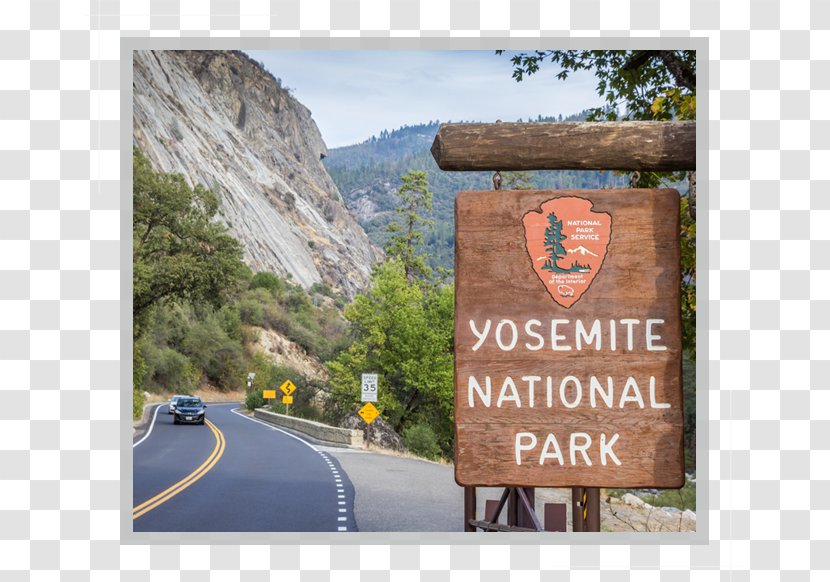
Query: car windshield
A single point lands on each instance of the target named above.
(188, 403)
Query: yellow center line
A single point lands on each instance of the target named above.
(172, 491)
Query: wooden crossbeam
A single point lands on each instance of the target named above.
(653, 146)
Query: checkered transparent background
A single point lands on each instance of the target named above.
(769, 428)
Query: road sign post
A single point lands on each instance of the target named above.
(288, 389)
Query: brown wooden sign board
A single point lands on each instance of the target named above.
(567, 339)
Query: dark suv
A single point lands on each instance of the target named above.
(189, 409)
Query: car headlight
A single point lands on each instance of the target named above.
(201, 412)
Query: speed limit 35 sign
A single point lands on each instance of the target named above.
(369, 388)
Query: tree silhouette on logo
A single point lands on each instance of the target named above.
(553, 244)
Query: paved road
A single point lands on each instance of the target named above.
(236, 474)
(402, 494)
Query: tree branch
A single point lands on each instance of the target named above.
(639, 59)
(678, 69)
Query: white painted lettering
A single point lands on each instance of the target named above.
(583, 448)
(631, 385)
(531, 388)
(474, 387)
(537, 336)
(630, 323)
(605, 449)
(530, 437)
(513, 397)
(555, 338)
(651, 337)
(551, 443)
(652, 398)
(607, 395)
(563, 387)
(594, 336)
(515, 338)
(480, 335)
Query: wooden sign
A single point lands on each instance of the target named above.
(567, 339)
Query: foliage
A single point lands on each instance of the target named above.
(167, 369)
(421, 440)
(178, 251)
(403, 333)
(254, 400)
(688, 283)
(214, 352)
(407, 238)
(139, 373)
(683, 498)
(518, 180)
(268, 281)
(201, 330)
(371, 170)
(647, 84)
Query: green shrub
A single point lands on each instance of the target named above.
(168, 370)
(139, 377)
(684, 498)
(254, 400)
(251, 311)
(231, 321)
(421, 440)
(219, 356)
(138, 402)
(269, 281)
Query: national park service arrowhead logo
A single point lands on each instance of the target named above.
(567, 242)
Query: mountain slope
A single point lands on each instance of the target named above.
(368, 176)
(222, 121)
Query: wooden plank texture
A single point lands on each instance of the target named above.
(653, 146)
(580, 359)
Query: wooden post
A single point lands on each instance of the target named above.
(469, 507)
(513, 507)
(653, 146)
(523, 518)
(585, 508)
(576, 509)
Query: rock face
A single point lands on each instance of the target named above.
(283, 352)
(222, 121)
(380, 433)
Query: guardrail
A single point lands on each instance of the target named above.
(328, 434)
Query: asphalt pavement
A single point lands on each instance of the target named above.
(395, 493)
(236, 474)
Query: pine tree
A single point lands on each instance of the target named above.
(407, 236)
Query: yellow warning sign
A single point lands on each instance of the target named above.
(288, 387)
(288, 400)
(269, 393)
(368, 412)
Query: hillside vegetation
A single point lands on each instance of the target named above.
(197, 307)
(368, 176)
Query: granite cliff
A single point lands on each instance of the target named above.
(223, 121)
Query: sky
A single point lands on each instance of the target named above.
(353, 95)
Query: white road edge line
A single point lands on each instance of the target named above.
(149, 430)
(312, 447)
(271, 426)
